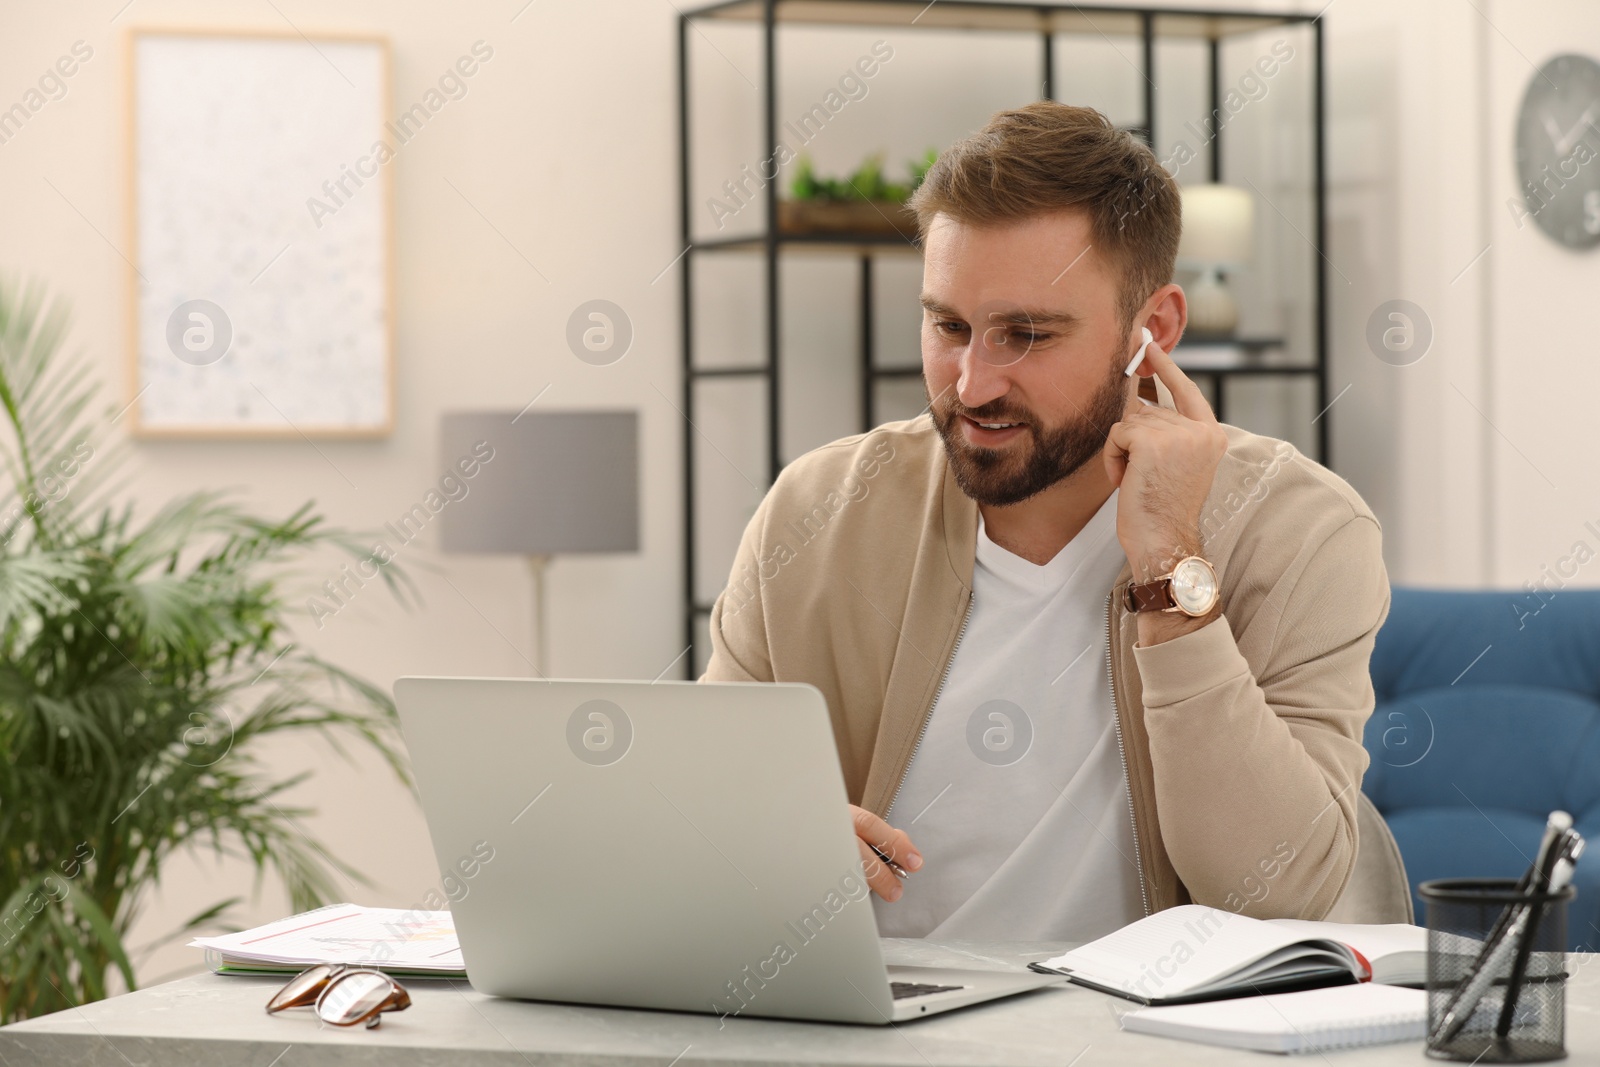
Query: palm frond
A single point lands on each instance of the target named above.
(142, 662)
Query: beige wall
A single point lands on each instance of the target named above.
(567, 142)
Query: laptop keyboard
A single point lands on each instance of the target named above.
(906, 990)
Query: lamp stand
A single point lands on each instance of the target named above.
(541, 642)
(1212, 309)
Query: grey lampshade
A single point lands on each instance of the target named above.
(555, 482)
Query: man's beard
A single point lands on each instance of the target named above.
(1002, 476)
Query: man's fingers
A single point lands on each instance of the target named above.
(1119, 446)
(1122, 436)
(873, 833)
(1187, 398)
(880, 878)
(891, 842)
(1157, 419)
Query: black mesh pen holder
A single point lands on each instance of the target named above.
(1462, 915)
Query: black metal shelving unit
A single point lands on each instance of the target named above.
(1049, 21)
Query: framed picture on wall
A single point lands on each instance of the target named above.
(260, 205)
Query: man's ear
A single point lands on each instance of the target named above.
(1166, 313)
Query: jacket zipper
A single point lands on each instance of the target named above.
(928, 718)
(1122, 754)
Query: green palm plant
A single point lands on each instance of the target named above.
(141, 662)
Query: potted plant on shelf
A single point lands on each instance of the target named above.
(863, 203)
(142, 662)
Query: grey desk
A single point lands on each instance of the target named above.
(213, 1020)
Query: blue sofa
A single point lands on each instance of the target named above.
(1487, 719)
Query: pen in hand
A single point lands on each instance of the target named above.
(899, 871)
(886, 854)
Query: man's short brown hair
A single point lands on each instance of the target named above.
(1048, 157)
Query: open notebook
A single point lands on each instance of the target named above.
(1191, 953)
(1312, 1021)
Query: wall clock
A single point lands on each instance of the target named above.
(1558, 151)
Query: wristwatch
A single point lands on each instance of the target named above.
(1190, 587)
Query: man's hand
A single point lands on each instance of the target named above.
(873, 832)
(1163, 461)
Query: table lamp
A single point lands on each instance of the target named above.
(1218, 233)
(561, 481)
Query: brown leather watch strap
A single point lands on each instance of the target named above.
(1151, 596)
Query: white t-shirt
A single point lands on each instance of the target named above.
(1016, 796)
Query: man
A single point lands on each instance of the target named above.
(1044, 711)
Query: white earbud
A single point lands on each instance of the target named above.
(1138, 357)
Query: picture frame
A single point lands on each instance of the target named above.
(260, 234)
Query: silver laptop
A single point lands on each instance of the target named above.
(659, 845)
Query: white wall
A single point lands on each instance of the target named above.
(567, 142)
(1406, 139)
(1543, 477)
(1472, 456)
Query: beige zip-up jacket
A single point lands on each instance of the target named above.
(1241, 740)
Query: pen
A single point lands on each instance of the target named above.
(1538, 871)
(1548, 866)
(1551, 848)
(899, 871)
(1465, 1002)
(1567, 854)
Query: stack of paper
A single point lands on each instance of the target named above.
(415, 944)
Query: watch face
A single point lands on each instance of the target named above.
(1558, 142)
(1194, 586)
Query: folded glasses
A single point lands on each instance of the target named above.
(342, 995)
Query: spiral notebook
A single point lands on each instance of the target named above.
(1312, 1021)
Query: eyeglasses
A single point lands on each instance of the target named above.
(342, 995)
